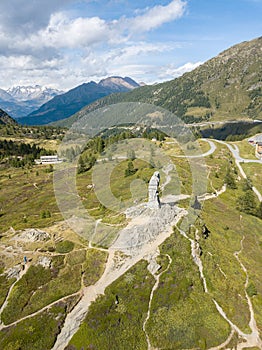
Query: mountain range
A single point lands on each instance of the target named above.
(227, 87)
(65, 105)
(19, 101)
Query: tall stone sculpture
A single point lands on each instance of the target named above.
(153, 195)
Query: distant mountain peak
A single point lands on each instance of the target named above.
(119, 83)
(32, 92)
(226, 87)
(66, 104)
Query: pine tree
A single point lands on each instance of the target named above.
(130, 169)
(259, 211)
(229, 180)
(247, 202)
(81, 165)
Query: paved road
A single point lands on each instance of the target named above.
(210, 151)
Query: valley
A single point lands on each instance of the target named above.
(191, 271)
(131, 214)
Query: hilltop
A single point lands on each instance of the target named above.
(64, 105)
(227, 87)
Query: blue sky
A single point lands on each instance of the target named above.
(63, 43)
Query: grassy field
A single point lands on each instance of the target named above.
(38, 332)
(253, 171)
(118, 325)
(246, 150)
(183, 316)
(25, 195)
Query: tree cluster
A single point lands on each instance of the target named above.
(19, 154)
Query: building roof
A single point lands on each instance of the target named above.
(255, 139)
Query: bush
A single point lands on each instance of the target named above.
(251, 290)
(64, 247)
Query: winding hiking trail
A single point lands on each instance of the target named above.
(21, 274)
(249, 340)
(149, 250)
(133, 251)
(156, 276)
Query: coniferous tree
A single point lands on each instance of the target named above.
(230, 180)
(259, 211)
(247, 202)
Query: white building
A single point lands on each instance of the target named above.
(48, 160)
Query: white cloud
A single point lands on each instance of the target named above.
(171, 72)
(157, 16)
(27, 16)
(134, 51)
(65, 33)
(56, 47)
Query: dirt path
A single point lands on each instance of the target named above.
(21, 274)
(2, 326)
(253, 339)
(250, 340)
(207, 196)
(92, 237)
(112, 272)
(157, 278)
(166, 171)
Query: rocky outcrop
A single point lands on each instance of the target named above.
(33, 235)
(44, 261)
(153, 195)
(145, 226)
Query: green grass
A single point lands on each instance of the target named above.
(5, 284)
(64, 247)
(253, 171)
(217, 165)
(29, 201)
(35, 277)
(38, 332)
(94, 266)
(246, 150)
(227, 229)
(40, 287)
(109, 325)
(182, 315)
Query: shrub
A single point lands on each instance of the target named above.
(64, 247)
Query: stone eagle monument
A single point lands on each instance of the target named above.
(153, 195)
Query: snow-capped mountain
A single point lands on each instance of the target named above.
(41, 105)
(37, 92)
(65, 105)
(5, 96)
(19, 101)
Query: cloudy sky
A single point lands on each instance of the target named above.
(63, 43)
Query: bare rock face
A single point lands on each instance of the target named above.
(153, 195)
(44, 261)
(33, 235)
(145, 227)
(14, 272)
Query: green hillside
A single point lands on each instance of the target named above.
(226, 87)
(5, 119)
